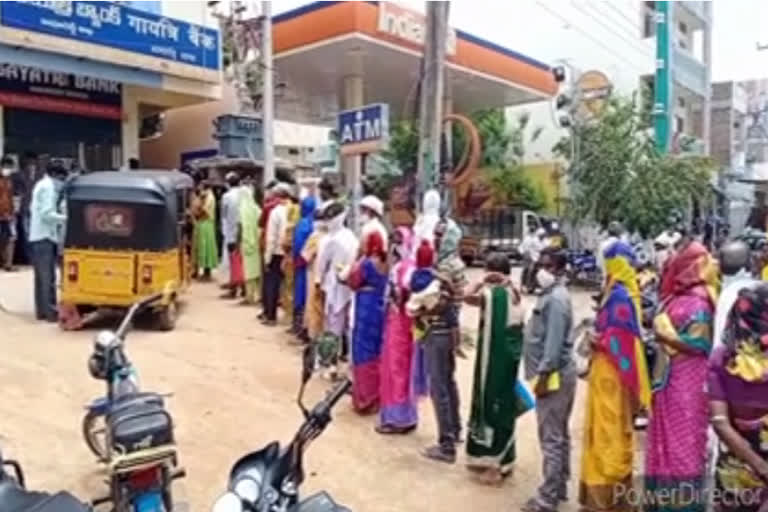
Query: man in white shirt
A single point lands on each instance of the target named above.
(531, 248)
(45, 222)
(274, 254)
(371, 215)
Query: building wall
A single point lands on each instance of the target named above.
(190, 129)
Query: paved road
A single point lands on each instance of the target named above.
(234, 383)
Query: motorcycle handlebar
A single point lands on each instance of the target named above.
(328, 403)
(135, 308)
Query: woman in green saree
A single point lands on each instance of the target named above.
(495, 407)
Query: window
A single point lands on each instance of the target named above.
(679, 124)
(683, 28)
(681, 102)
(649, 19)
(109, 219)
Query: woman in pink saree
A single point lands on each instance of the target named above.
(403, 376)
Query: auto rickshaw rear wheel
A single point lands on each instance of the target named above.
(166, 317)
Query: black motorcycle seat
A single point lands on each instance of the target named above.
(15, 499)
(139, 425)
(134, 398)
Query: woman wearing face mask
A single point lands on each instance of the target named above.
(249, 235)
(368, 279)
(618, 383)
(371, 213)
(403, 377)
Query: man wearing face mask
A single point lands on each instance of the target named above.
(549, 350)
(371, 213)
(44, 227)
(9, 208)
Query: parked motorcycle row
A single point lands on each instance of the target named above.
(131, 433)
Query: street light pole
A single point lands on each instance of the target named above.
(268, 96)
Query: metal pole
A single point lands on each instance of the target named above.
(268, 97)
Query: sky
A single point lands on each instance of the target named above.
(738, 26)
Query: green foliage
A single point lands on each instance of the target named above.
(503, 151)
(503, 157)
(510, 186)
(403, 148)
(616, 173)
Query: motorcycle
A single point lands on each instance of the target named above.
(136, 439)
(268, 480)
(582, 268)
(14, 497)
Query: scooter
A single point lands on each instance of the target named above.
(582, 268)
(268, 480)
(14, 497)
(136, 441)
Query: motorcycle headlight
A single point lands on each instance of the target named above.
(228, 502)
(96, 366)
(247, 488)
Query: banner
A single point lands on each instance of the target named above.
(115, 26)
(51, 91)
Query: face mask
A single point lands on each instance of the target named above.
(364, 218)
(545, 278)
(7, 171)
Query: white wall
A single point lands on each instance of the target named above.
(585, 34)
(190, 11)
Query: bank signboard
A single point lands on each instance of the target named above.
(364, 129)
(51, 91)
(115, 26)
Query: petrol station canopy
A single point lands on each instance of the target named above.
(319, 45)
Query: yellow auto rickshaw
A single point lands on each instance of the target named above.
(126, 238)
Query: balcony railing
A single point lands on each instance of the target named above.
(689, 72)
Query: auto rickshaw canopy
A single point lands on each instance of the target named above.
(131, 210)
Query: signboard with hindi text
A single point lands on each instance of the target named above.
(115, 26)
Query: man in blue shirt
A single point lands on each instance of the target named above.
(45, 221)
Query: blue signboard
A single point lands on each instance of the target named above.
(364, 129)
(116, 26)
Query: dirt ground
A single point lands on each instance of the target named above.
(234, 385)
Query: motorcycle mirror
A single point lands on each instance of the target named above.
(307, 363)
(228, 502)
(307, 369)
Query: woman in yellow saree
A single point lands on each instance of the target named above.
(618, 384)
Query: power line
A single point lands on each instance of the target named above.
(633, 43)
(622, 58)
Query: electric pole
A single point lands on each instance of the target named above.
(431, 99)
(268, 97)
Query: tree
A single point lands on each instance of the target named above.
(503, 153)
(503, 159)
(616, 173)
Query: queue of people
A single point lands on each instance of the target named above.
(389, 307)
(384, 309)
